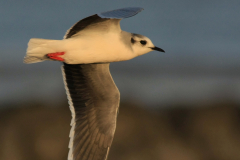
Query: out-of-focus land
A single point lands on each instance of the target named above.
(204, 132)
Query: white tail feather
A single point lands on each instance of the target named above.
(38, 48)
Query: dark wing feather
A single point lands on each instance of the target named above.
(113, 17)
(94, 101)
(82, 24)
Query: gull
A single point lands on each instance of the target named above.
(86, 51)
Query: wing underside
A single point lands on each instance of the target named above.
(109, 18)
(121, 13)
(94, 101)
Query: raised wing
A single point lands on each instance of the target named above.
(94, 101)
(103, 21)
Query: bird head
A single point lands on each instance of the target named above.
(142, 45)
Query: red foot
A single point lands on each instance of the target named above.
(55, 56)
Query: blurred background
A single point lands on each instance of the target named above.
(180, 105)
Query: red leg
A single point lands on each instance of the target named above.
(55, 56)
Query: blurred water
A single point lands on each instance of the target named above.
(144, 82)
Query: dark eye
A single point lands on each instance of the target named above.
(143, 42)
(132, 40)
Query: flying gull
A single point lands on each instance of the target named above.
(86, 51)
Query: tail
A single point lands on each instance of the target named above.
(38, 49)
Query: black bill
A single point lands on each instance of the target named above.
(158, 49)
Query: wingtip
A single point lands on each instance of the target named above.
(121, 13)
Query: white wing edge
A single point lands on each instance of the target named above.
(73, 123)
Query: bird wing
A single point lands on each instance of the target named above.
(104, 21)
(94, 100)
(92, 94)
